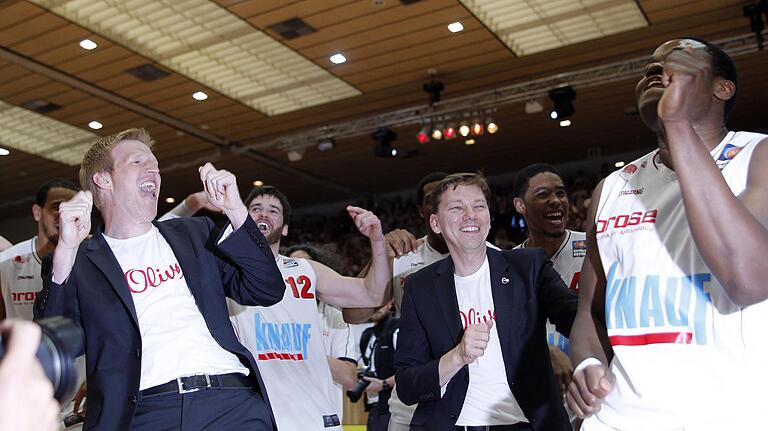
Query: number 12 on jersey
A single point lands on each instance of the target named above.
(305, 284)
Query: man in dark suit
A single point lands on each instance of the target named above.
(496, 374)
(150, 297)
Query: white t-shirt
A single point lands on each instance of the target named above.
(567, 261)
(20, 279)
(286, 340)
(175, 340)
(338, 342)
(489, 400)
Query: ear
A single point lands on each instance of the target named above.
(725, 89)
(103, 180)
(37, 212)
(519, 205)
(285, 230)
(434, 224)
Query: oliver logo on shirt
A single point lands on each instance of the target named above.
(471, 316)
(141, 279)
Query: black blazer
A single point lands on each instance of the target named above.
(97, 298)
(430, 326)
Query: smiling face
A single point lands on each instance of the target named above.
(649, 89)
(47, 216)
(462, 218)
(133, 185)
(544, 205)
(267, 212)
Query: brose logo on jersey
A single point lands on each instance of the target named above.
(627, 220)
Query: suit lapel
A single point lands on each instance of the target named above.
(184, 250)
(445, 292)
(502, 289)
(101, 255)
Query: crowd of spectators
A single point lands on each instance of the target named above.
(336, 236)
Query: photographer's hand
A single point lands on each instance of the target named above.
(26, 394)
(374, 387)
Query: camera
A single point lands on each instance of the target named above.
(355, 393)
(60, 341)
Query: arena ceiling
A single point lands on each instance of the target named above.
(272, 88)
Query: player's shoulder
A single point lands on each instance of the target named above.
(17, 253)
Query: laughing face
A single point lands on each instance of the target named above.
(650, 88)
(267, 212)
(462, 218)
(135, 181)
(545, 205)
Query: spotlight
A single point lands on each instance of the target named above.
(619, 164)
(565, 123)
(533, 107)
(437, 133)
(562, 100)
(4, 151)
(491, 126)
(95, 125)
(88, 44)
(449, 132)
(470, 142)
(464, 129)
(434, 88)
(258, 183)
(326, 144)
(455, 27)
(423, 136)
(383, 147)
(170, 200)
(295, 155)
(477, 128)
(199, 96)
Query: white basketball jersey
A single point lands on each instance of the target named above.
(567, 262)
(286, 340)
(20, 279)
(680, 345)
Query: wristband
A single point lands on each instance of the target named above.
(587, 362)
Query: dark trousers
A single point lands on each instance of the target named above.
(377, 421)
(211, 409)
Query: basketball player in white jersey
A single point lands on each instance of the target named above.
(670, 332)
(541, 198)
(286, 338)
(20, 279)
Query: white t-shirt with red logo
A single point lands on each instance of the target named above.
(20, 279)
(489, 400)
(175, 340)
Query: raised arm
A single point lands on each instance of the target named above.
(729, 231)
(371, 291)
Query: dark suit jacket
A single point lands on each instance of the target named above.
(430, 326)
(97, 298)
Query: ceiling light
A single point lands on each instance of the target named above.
(449, 132)
(619, 164)
(565, 123)
(383, 147)
(258, 183)
(455, 27)
(4, 152)
(199, 96)
(95, 125)
(423, 136)
(437, 133)
(338, 59)
(295, 155)
(464, 129)
(533, 107)
(562, 100)
(491, 126)
(88, 44)
(170, 200)
(477, 128)
(469, 142)
(326, 144)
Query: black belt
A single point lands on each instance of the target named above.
(186, 384)
(514, 427)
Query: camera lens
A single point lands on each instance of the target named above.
(60, 342)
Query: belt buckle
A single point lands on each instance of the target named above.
(186, 391)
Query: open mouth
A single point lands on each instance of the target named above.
(554, 216)
(470, 229)
(149, 187)
(654, 82)
(263, 226)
